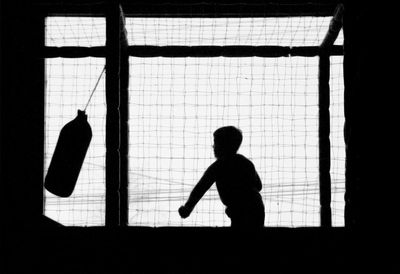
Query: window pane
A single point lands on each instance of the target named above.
(68, 86)
(177, 103)
(338, 157)
(339, 39)
(284, 31)
(75, 31)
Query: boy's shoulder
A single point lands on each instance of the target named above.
(243, 158)
(244, 161)
(237, 158)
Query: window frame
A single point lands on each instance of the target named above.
(117, 52)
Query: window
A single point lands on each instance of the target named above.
(69, 82)
(175, 104)
(338, 157)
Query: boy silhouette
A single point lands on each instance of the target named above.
(237, 181)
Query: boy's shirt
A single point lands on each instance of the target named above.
(237, 182)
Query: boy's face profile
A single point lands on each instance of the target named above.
(217, 149)
(220, 149)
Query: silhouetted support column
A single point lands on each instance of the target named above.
(113, 116)
(351, 69)
(124, 112)
(324, 117)
(324, 142)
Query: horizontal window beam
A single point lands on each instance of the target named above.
(194, 51)
(209, 9)
(74, 52)
(215, 10)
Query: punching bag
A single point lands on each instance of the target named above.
(68, 156)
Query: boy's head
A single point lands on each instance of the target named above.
(227, 141)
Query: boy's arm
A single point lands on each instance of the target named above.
(198, 191)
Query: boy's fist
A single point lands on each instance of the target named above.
(184, 211)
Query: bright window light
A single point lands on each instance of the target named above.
(276, 31)
(177, 103)
(68, 86)
(75, 31)
(338, 152)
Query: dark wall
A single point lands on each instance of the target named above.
(370, 117)
(21, 108)
(33, 243)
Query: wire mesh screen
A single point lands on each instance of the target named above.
(75, 31)
(338, 157)
(284, 31)
(68, 86)
(177, 103)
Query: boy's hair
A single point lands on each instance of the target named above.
(229, 137)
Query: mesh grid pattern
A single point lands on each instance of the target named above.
(293, 31)
(75, 31)
(68, 86)
(177, 103)
(338, 157)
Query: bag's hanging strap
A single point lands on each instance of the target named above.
(94, 89)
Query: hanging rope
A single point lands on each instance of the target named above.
(94, 89)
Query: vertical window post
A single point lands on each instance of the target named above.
(324, 142)
(324, 117)
(113, 51)
(124, 106)
(352, 80)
